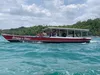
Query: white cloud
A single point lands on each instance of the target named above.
(72, 11)
(53, 5)
(16, 13)
(63, 14)
(35, 10)
(91, 11)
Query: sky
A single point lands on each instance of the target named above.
(18, 13)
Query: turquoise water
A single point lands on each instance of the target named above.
(50, 59)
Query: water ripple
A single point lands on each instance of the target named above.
(50, 59)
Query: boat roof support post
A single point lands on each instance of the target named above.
(74, 33)
(67, 32)
(87, 34)
(59, 32)
(81, 33)
(51, 32)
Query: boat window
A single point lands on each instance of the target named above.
(77, 33)
(84, 33)
(70, 33)
(66, 32)
(63, 34)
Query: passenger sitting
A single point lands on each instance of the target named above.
(44, 33)
(40, 35)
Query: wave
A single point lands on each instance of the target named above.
(88, 72)
(94, 41)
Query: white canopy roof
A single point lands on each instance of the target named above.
(73, 29)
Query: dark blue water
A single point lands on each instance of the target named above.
(50, 59)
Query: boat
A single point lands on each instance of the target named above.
(53, 35)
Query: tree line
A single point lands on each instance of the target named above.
(92, 25)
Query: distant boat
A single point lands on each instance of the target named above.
(53, 35)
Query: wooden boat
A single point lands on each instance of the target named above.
(53, 35)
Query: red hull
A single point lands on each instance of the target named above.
(19, 38)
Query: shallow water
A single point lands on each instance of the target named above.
(49, 58)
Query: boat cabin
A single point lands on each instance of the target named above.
(65, 32)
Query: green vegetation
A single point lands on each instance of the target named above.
(25, 31)
(93, 25)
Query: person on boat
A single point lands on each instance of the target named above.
(54, 33)
(40, 34)
(44, 33)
